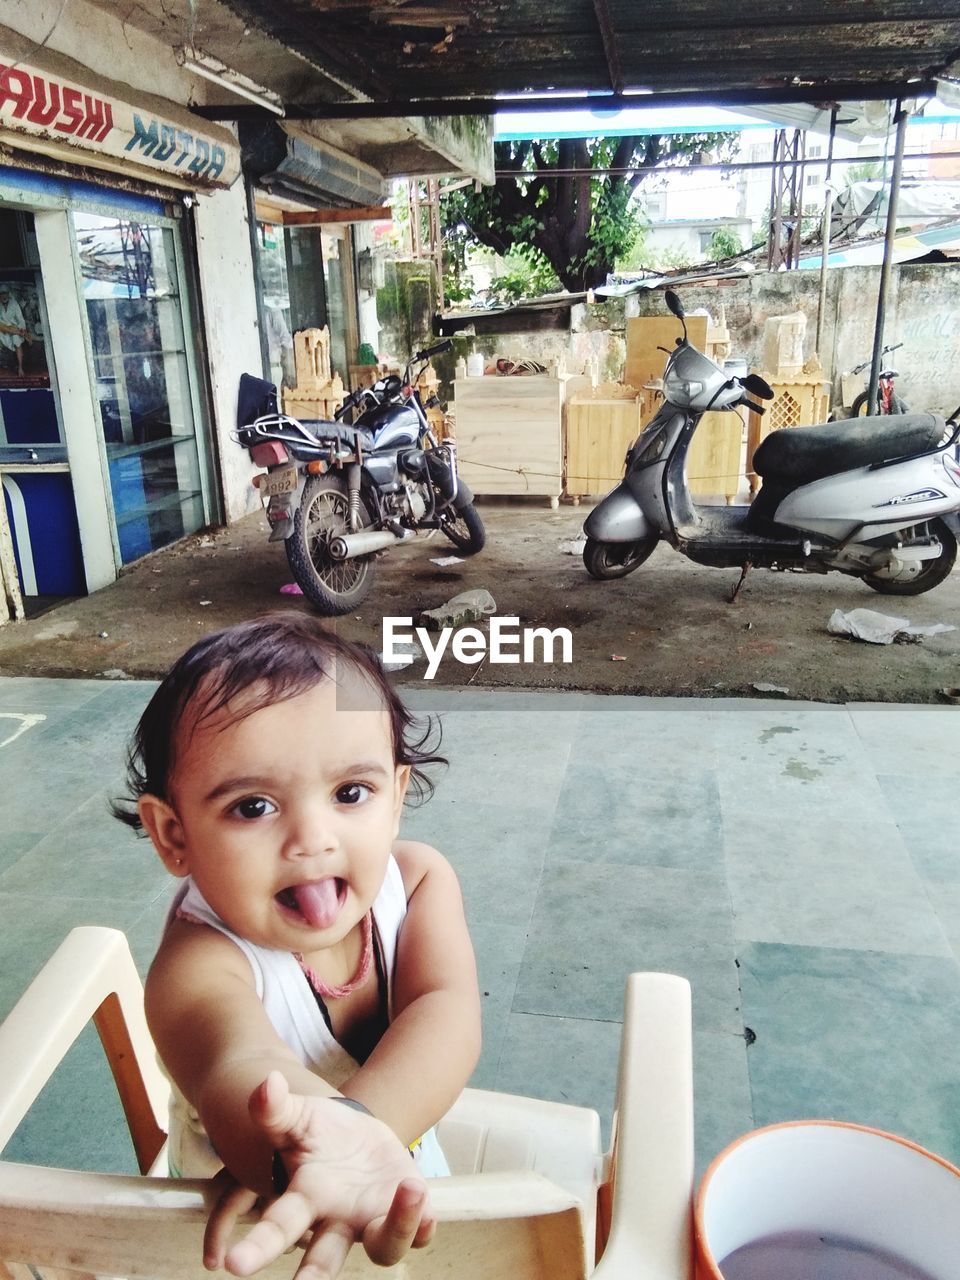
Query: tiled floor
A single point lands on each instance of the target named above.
(797, 862)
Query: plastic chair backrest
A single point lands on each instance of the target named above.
(493, 1226)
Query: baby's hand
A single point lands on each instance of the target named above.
(350, 1178)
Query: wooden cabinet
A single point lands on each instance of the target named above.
(509, 434)
(601, 426)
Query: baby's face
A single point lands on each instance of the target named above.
(289, 814)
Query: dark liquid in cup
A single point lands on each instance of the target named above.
(797, 1255)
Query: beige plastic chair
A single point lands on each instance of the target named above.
(533, 1197)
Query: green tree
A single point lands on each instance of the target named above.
(724, 243)
(551, 203)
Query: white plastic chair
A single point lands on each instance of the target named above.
(533, 1196)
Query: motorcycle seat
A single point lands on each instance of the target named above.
(338, 431)
(800, 455)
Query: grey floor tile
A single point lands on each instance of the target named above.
(927, 814)
(35, 926)
(497, 852)
(572, 1060)
(77, 1121)
(722, 1102)
(88, 856)
(901, 740)
(499, 951)
(832, 884)
(594, 925)
(33, 694)
(855, 1036)
(946, 903)
(655, 736)
(611, 812)
(14, 844)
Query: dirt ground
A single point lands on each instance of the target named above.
(668, 629)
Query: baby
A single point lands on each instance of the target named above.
(314, 998)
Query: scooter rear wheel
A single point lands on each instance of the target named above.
(931, 575)
(616, 559)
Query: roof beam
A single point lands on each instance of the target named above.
(826, 94)
(609, 37)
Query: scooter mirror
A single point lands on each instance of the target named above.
(757, 386)
(674, 303)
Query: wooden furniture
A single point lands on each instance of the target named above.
(509, 434)
(532, 1198)
(602, 423)
(714, 460)
(319, 391)
(800, 400)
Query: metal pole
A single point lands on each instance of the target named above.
(825, 239)
(892, 201)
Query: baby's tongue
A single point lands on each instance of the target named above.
(318, 902)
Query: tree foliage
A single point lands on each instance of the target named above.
(551, 202)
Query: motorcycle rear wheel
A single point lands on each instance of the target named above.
(605, 560)
(931, 575)
(332, 586)
(465, 530)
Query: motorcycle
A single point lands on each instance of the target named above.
(876, 498)
(338, 494)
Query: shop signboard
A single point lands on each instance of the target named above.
(54, 110)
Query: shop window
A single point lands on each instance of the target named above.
(136, 332)
(306, 282)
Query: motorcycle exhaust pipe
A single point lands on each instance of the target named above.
(366, 542)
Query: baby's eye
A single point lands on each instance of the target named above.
(352, 793)
(253, 807)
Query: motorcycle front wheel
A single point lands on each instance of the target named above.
(616, 559)
(465, 529)
(931, 574)
(332, 586)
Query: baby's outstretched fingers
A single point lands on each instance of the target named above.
(232, 1201)
(408, 1224)
(281, 1225)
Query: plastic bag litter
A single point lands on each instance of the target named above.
(468, 606)
(409, 648)
(572, 546)
(879, 628)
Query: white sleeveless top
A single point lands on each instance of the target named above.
(290, 1004)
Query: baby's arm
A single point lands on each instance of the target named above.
(348, 1173)
(431, 1047)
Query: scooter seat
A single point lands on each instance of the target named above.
(799, 455)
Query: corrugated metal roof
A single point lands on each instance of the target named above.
(394, 55)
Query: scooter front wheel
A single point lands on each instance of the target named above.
(616, 559)
(930, 575)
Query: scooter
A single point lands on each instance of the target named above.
(876, 498)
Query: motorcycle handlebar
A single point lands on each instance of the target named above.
(434, 350)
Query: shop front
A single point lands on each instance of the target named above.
(310, 207)
(106, 447)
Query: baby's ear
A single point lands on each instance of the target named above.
(163, 827)
(401, 782)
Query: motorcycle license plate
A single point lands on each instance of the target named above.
(282, 481)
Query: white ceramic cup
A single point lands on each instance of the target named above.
(844, 1181)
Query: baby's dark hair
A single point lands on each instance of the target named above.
(280, 655)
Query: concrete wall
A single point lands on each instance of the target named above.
(923, 311)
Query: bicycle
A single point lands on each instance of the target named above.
(887, 400)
